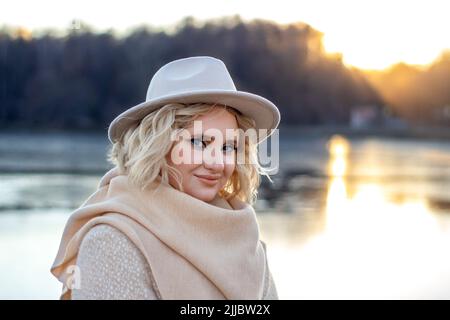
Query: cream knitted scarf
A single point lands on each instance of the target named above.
(195, 249)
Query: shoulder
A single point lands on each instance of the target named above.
(102, 236)
(107, 242)
(112, 267)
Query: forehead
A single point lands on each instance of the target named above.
(217, 121)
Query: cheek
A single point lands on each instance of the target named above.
(228, 171)
(187, 170)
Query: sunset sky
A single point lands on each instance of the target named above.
(369, 34)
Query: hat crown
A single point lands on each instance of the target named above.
(199, 73)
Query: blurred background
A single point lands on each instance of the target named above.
(360, 206)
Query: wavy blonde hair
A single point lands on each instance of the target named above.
(141, 150)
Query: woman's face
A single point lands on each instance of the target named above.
(211, 154)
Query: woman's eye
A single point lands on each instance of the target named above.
(198, 143)
(229, 148)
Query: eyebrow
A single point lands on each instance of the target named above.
(208, 138)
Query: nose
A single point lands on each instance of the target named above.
(213, 160)
(215, 167)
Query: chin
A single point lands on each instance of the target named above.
(204, 195)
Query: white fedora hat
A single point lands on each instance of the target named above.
(197, 79)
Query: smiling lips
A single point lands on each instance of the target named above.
(208, 179)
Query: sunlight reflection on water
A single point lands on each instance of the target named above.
(369, 246)
(375, 225)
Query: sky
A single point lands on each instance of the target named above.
(369, 34)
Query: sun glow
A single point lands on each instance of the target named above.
(368, 34)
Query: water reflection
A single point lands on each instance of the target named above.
(347, 218)
(369, 206)
(372, 244)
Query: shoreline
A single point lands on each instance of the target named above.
(417, 132)
(407, 132)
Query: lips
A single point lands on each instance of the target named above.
(208, 179)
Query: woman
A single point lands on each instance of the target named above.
(173, 218)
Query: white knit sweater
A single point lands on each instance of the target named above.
(112, 267)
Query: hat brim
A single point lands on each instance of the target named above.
(264, 112)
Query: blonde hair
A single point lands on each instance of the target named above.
(141, 150)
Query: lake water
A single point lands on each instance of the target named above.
(345, 217)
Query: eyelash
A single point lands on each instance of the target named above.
(203, 142)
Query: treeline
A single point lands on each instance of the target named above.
(417, 94)
(84, 79)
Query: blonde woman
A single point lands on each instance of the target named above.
(173, 219)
